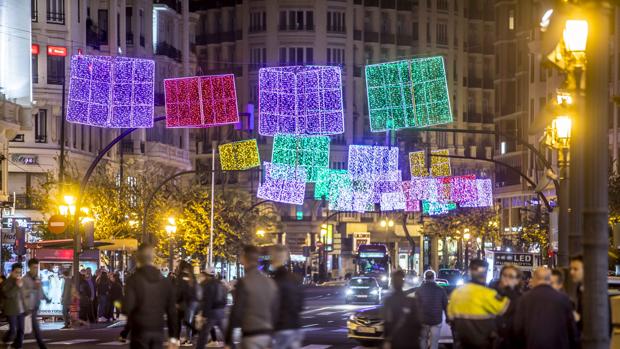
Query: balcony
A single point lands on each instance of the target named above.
(387, 38)
(258, 28)
(473, 117)
(488, 118)
(55, 79)
(403, 40)
(165, 49)
(24, 202)
(56, 17)
(296, 27)
(217, 38)
(357, 35)
(371, 36)
(127, 146)
(173, 4)
(336, 30)
(168, 153)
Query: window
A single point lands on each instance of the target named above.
(368, 55)
(34, 10)
(442, 5)
(367, 21)
(414, 31)
(296, 56)
(296, 20)
(35, 68)
(335, 22)
(511, 20)
(442, 34)
(128, 27)
(55, 70)
(258, 21)
(56, 11)
(142, 27)
(40, 126)
(102, 20)
(385, 23)
(258, 58)
(335, 56)
(428, 32)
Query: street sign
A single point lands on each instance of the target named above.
(57, 224)
(519, 259)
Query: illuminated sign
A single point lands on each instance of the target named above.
(57, 51)
(34, 49)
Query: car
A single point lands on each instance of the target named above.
(454, 278)
(366, 326)
(363, 289)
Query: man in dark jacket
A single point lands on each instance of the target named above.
(508, 286)
(433, 301)
(14, 306)
(148, 297)
(402, 316)
(288, 325)
(211, 308)
(67, 298)
(544, 317)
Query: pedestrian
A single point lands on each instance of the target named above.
(185, 290)
(34, 295)
(508, 286)
(92, 287)
(544, 316)
(288, 334)
(84, 293)
(211, 308)
(66, 298)
(557, 279)
(14, 306)
(433, 302)
(403, 325)
(576, 274)
(116, 295)
(255, 304)
(148, 297)
(103, 297)
(473, 309)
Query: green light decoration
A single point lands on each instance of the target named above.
(407, 94)
(433, 208)
(326, 178)
(240, 155)
(309, 152)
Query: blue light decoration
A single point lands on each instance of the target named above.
(391, 182)
(407, 94)
(370, 162)
(283, 183)
(309, 152)
(300, 100)
(111, 91)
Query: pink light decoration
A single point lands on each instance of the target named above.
(201, 101)
(484, 194)
(283, 183)
(411, 205)
(390, 182)
(463, 188)
(111, 91)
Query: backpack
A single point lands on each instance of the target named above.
(221, 295)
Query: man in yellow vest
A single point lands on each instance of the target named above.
(473, 308)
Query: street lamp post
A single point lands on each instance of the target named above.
(466, 237)
(171, 228)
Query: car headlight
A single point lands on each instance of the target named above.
(416, 279)
(352, 317)
(374, 292)
(349, 292)
(384, 278)
(459, 282)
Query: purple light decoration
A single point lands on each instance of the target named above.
(201, 101)
(370, 162)
(424, 188)
(300, 100)
(390, 182)
(411, 205)
(111, 91)
(283, 183)
(485, 194)
(463, 188)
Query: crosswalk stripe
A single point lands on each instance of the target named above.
(73, 341)
(117, 343)
(316, 346)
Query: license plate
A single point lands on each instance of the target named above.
(363, 329)
(361, 296)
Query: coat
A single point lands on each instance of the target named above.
(13, 297)
(402, 321)
(291, 299)
(544, 319)
(67, 291)
(433, 302)
(33, 292)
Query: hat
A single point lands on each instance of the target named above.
(210, 270)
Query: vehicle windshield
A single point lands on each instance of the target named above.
(448, 274)
(368, 266)
(368, 282)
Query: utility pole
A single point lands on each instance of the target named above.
(564, 203)
(575, 231)
(595, 212)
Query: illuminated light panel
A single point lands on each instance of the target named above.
(201, 101)
(463, 188)
(371, 162)
(283, 183)
(300, 100)
(391, 182)
(411, 205)
(309, 152)
(437, 208)
(485, 194)
(393, 201)
(327, 178)
(408, 93)
(240, 155)
(357, 197)
(114, 92)
(424, 188)
(440, 166)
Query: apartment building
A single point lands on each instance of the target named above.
(158, 30)
(243, 36)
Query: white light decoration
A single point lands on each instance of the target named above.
(283, 183)
(371, 162)
(393, 201)
(357, 197)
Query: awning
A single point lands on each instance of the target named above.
(119, 245)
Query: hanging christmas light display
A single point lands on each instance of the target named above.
(300, 100)
(409, 93)
(111, 91)
(393, 201)
(390, 182)
(327, 178)
(411, 204)
(484, 194)
(240, 155)
(437, 208)
(440, 165)
(201, 101)
(283, 183)
(370, 162)
(309, 152)
(463, 188)
(357, 197)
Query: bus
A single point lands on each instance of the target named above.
(374, 260)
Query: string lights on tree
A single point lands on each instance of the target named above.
(300, 100)
(111, 91)
(201, 101)
(241, 155)
(309, 152)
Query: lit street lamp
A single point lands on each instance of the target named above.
(171, 229)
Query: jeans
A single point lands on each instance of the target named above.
(102, 306)
(215, 319)
(288, 339)
(146, 340)
(262, 341)
(15, 333)
(66, 314)
(429, 338)
(36, 329)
